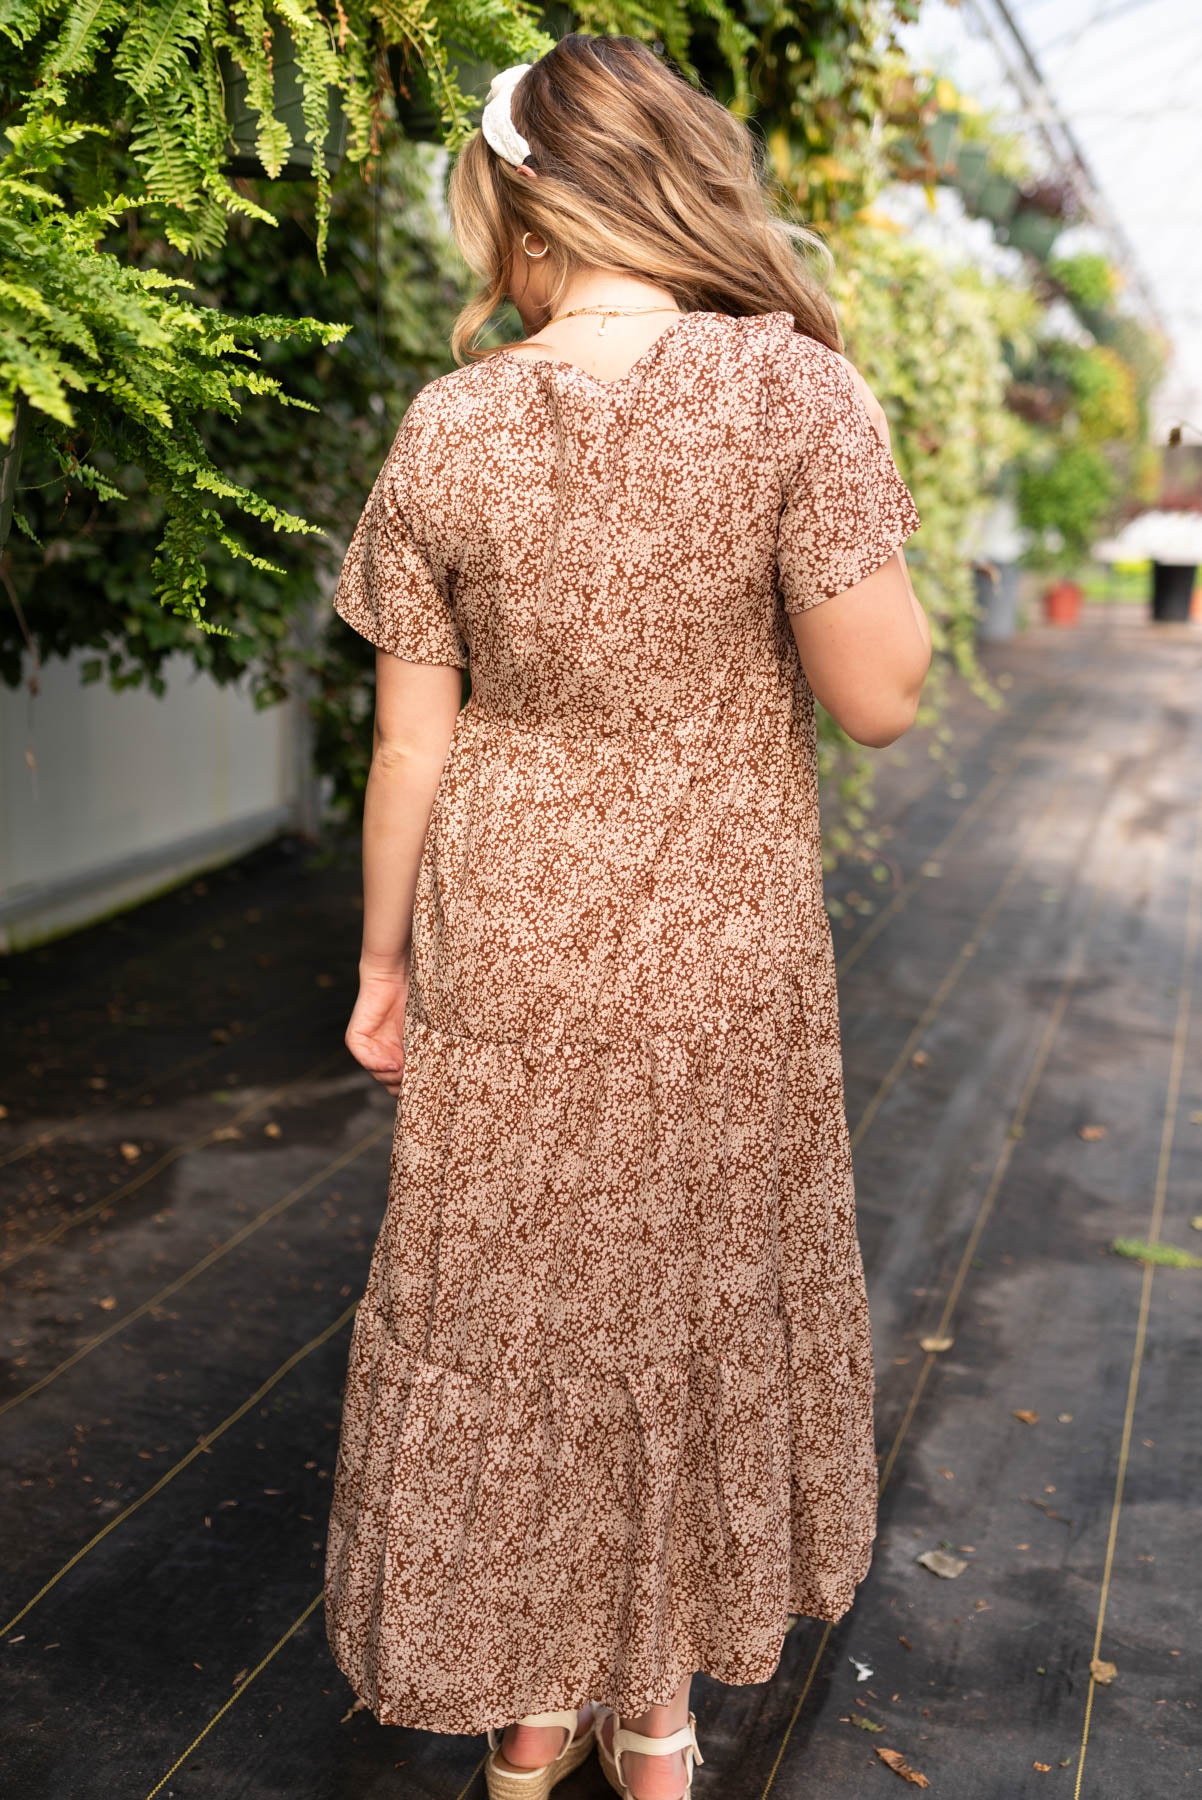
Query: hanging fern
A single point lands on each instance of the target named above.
(115, 367)
(158, 67)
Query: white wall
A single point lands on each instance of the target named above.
(106, 798)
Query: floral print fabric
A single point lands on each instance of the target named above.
(608, 1416)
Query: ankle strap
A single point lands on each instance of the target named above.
(568, 1721)
(685, 1739)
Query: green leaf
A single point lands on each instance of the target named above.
(1164, 1256)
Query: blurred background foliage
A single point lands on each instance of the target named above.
(328, 215)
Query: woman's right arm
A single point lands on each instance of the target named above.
(866, 653)
(865, 647)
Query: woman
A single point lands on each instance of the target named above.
(609, 1410)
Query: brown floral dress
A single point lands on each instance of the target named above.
(608, 1417)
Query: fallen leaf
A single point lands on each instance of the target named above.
(1165, 1256)
(131, 1152)
(272, 1130)
(1091, 1134)
(934, 1345)
(897, 1762)
(239, 1677)
(108, 1303)
(1102, 1672)
(355, 1707)
(862, 1720)
(904, 1642)
(940, 1563)
(1026, 1417)
(1044, 1768)
(1065, 1418)
(1196, 1223)
(863, 1672)
(920, 1059)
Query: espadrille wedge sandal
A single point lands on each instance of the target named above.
(611, 1761)
(536, 1784)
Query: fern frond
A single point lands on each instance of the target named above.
(21, 20)
(86, 25)
(157, 44)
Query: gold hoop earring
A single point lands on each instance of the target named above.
(534, 254)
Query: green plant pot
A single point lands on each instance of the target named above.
(1035, 233)
(972, 166)
(243, 158)
(416, 106)
(997, 198)
(941, 135)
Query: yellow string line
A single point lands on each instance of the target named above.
(1155, 1221)
(238, 1693)
(1029, 1088)
(1014, 1131)
(241, 1689)
(959, 963)
(984, 795)
(41, 1139)
(202, 1444)
(806, 1685)
(206, 1262)
(471, 1778)
(202, 1139)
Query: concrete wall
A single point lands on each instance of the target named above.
(107, 798)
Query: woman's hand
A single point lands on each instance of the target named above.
(375, 1034)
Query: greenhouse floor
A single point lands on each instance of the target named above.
(194, 1173)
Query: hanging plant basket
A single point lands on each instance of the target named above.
(972, 166)
(243, 157)
(941, 135)
(1033, 232)
(416, 105)
(997, 199)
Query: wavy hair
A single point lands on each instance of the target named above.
(639, 172)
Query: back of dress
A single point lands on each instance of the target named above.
(617, 1309)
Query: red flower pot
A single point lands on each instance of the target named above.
(1062, 603)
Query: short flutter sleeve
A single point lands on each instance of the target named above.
(844, 506)
(394, 587)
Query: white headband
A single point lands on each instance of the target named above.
(497, 125)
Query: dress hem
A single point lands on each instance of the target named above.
(419, 1717)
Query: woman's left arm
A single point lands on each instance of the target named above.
(416, 708)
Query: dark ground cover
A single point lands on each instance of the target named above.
(194, 1172)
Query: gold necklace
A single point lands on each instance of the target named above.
(609, 312)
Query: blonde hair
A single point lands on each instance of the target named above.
(640, 172)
